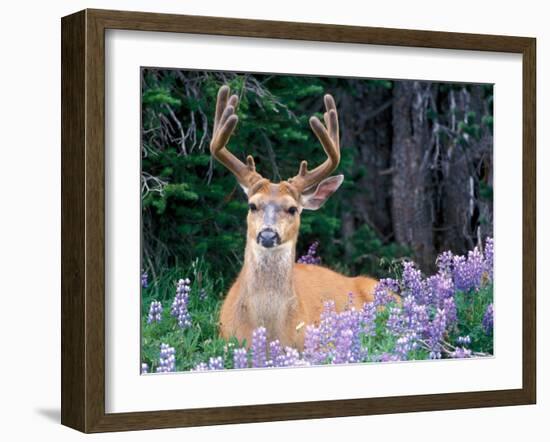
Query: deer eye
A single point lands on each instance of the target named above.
(252, 207)
(292, 210)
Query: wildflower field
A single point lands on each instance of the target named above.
(445, 315)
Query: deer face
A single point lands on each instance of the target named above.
(273, 213)
(275, 209)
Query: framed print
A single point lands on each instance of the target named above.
(267, 221)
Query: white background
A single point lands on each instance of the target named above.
(30, 225)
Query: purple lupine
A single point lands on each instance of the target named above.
(488, 320)
(144, 368)
(413, 283)
(167, 360)
(144, 279)
(436, 331)
(489, 253)
(405, 344)
(369, 319)
(396, 322)
(477, 264)
(240, 358)
(310, 257)
(276, 355)
(343, 347)
(451, 315)
(155, 312)
(463, 341)
(202, 366)
(290, 357)
(383, 291)
(461, 353)
(471, 271)
(444, 262)
(387, 357)
(415, 316)
(215, 363)
(468, 272)
(258, 347)
(443, 290)
(353, 320)
(441, 287)
(328, 328)
(312, 343)
(179, 306)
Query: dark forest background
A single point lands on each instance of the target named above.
(416, 156)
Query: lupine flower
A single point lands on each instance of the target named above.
(468, 272)
(240, 358)
(167, 360)
(312, 342)
(276, 354)
(342, 350)
(405, 344)
(444, 262)
(436, 330)
(328, 329)
(387, 357)
(203, 294)
(144, 279)
(463, 341)
(461, 353)
(471, 271)
(396, 322)
(369, 318)
(259, 347)
(155, 312)
(215, 363)
(144, 368)
(383, 291)
(413, 284)
(338, 338)
(415, 315)
(354, 320)
(310, 257)
(449, 306)
(202, 366)
(488, 252)
(487, 322)
(179, 306)
(441, 287)
(291, 357)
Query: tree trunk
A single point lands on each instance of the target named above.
(412, 201)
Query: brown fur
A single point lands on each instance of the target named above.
(273, 291)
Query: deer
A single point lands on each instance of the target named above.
(272, 290)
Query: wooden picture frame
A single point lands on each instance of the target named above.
(83, 220)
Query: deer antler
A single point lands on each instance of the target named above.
(329, 138)
(225, 122)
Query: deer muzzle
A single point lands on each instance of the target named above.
(268, 238)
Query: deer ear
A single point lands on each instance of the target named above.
(315, 199)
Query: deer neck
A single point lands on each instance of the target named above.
(268, 284)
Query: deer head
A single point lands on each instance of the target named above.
(275, 208)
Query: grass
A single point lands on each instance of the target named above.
(197, 343)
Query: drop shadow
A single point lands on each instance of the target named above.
(51, 414)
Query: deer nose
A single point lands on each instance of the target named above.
(268, 238)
